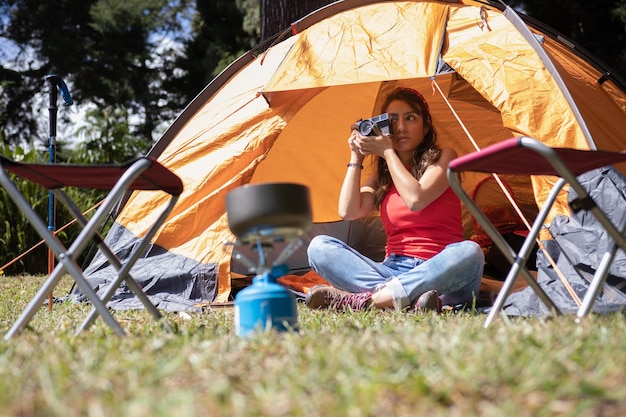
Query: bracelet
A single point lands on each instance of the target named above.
(355, 165)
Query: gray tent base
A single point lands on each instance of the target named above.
(178, 287)
(578, 242)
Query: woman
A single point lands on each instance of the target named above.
(427, 262)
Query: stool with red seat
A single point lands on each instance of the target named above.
(527, 156)
(141, 174)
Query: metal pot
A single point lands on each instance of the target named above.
(269, 211)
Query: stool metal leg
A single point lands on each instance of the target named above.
(518, 267)
(124, 272)
(518, 261)
(51, 282)
(599, 278)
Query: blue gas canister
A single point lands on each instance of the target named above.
(265, 305)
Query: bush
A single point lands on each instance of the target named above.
(16, 233)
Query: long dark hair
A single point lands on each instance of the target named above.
(423, 156)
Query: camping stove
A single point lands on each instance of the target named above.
(266, 304)
(262, 215)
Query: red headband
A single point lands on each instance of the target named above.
(418, 94)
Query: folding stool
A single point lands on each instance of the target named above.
(140, 174)
(527, 156)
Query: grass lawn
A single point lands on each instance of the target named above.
(339, 364)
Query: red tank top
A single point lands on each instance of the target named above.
(421, 234)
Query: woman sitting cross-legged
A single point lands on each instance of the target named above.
(427, 261)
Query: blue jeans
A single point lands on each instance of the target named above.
(455, 272)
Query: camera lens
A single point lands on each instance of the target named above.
(366, 128)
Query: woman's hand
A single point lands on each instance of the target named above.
(353, 143)
(355, 200)
(376, 145)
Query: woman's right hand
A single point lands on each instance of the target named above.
(354, 143)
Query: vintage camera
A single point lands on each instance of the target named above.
(383, 121)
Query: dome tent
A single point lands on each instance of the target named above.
(283, 114)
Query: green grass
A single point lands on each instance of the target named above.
(349, 364)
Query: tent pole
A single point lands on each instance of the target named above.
(519, 24)
(511, 200)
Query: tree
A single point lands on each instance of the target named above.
(277, 15)
(106, 136)
(598, 26)
(115, 53)
(220, 31)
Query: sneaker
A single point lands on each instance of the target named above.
(429, 301)
(324, 296)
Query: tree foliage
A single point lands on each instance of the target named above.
(599, 26)
(219, 33)
(114, 53)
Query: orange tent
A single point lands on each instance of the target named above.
(283, 114)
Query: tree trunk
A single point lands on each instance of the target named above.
(277, 15)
